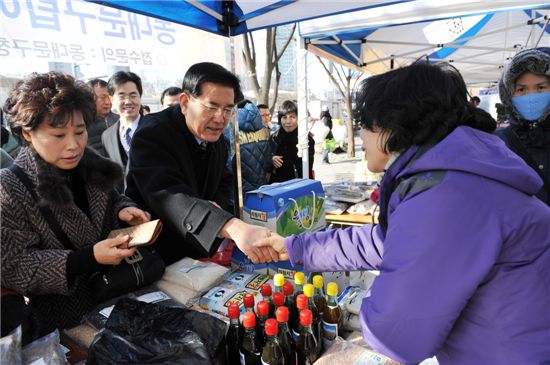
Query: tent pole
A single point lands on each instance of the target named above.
(235, 147)
(303, 128)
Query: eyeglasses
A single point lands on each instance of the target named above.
(131, 97)
(212, 110)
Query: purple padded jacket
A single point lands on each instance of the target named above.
(464, 263)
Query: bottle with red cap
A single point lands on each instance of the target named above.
(262, 309)
(234, 335)
(301, 304)
(272, 353)
(307, 347)
(248, 301)
(266, 291)
(290, 303)
(285, 337)
(251, 350)
(278, 300)
(299, 281)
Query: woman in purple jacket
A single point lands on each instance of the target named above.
(463, 245)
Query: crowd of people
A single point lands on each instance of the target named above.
(463, 243)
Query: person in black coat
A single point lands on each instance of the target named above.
(326, 119)
(177, 169)
(524, 89)
(286, 163)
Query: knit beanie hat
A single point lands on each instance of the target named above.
(535, 60)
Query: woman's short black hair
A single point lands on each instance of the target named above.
(417, 104)
(51, 96)
(287, 107)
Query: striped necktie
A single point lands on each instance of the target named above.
(128, 138)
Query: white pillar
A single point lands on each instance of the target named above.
(303, 127)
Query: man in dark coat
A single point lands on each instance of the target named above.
(104, 117)
(177, 169)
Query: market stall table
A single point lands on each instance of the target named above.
(347, 219)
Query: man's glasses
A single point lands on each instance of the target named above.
(212, 110)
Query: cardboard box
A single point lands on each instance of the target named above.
(291, 207)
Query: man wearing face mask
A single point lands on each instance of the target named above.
(525, 92)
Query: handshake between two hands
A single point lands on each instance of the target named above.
(259, 243)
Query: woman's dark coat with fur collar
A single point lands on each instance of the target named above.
(33, 260)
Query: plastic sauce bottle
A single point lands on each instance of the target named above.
(278, 282)
(251, 349)
(290, 303)
(272, 353)
(278, 300)
(316, 324)
(234, 335)
(262, 309)
(299, 281)
(266, 291)
(248, 301)
(301, 304)
(307, 346)
(285, 337)
(333, 319)
(319, 294)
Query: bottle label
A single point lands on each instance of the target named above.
(329, 333)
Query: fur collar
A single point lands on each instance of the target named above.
(51, 182)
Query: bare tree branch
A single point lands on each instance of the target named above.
(357, 80)
(340, 72)
(278, 56)
(251, 66)
(332, 78)
(253, 48)
(277, 79)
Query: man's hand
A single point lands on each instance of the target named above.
(134, 216)
(277, 161)
(274, 242)
(245, 235)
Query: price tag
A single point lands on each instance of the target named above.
(153, 297)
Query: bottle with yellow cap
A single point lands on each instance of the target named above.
(299, 281)
(333, 320)
(278, 282)
(309, 291)
(319, 294)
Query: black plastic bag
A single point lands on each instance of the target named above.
(143, 333)
(98, 316)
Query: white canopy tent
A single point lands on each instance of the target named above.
(477, 37)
